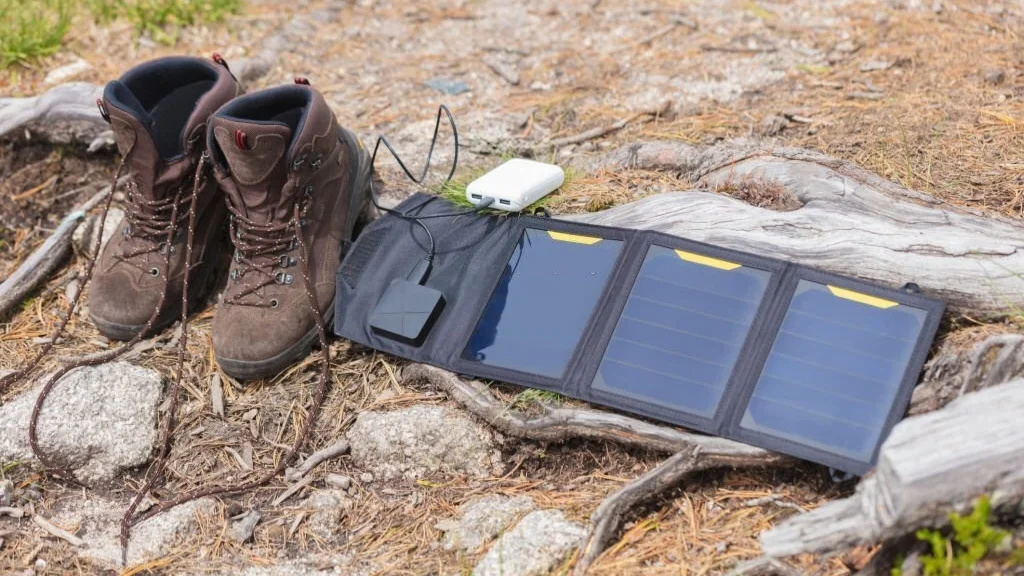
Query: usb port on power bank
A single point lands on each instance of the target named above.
(504, 201)
(476, 197)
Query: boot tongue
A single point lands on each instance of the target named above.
(257, 154)
(132, 127)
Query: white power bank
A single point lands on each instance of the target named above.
(516, 184)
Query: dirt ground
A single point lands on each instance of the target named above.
(927, 93)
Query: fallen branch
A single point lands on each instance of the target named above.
(849, 220)
(45, 259)
(65, 114)
(929, 466)
(57, 531)
(605, 130)
(610, 515)
(332, 451)
(693, 452)
(12, 512)
(562, 424)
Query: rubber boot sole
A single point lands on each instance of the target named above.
(265, 368)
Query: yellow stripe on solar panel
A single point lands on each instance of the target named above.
(574, 238)
(862, 298)
(708, 261)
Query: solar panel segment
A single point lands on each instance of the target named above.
(834, 370)
(679, 336)
(543, 301)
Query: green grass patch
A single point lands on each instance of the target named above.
(973, 538)
(31, 29)
(163, 19)
(532, 396)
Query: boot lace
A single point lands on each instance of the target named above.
(263, 251)
(150, 226)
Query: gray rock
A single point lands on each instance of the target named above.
(84, 237)
(242, 529)
(421, 440)
(448, 86)
(481, 520)
(326, 507)
(773, 125)
(339, 481)
(366, 477)
(99, 520)
(535, 546)
(995, 76)
(97, 420)
(6, 492)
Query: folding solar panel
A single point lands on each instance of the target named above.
(681, 331)
(837, 366)
(547, 292)
(755, 349)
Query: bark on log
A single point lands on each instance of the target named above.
(850, 221)
(929, 466)
(66, 114)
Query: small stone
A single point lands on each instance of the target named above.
(448, 86)
(243, 528)
(366, 477)
(6, 492)
(40, 564)
(481, 520)
(772, 126)
(326, 508)
(536, 545)
(995, 76)
(875, 65)
(418, 441)
(882, 18)
(721, 547)
(338, 481)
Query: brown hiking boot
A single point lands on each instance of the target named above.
(282, 160)
(158, 112)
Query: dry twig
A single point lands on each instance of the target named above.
(56, 531)
(694, 452)
(332, 451)
(605, 130)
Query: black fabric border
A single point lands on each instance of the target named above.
(446, 351)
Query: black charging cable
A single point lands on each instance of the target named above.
(420, 272)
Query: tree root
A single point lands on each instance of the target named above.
(692, 452)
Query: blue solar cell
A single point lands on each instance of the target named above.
(543, 301)
(681, 331)
(834, 370)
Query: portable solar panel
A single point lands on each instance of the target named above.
(547, 293)
(681, 331)
(755, 349)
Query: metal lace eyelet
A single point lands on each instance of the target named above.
(286, 261)
(126, 231)
(234, 274)
(154, 272)
(274, 303)
(237, 257)
(298, 162)
(162, 247)
(282, 278)
(317, 162)
(308, 191)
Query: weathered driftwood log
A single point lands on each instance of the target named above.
(952, 373)
(931, 465)
(66, 114)
(850, 221)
